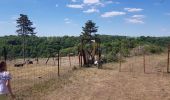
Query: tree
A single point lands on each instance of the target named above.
(87, 38)
(24, 29)
(88, 29)
(53, 48)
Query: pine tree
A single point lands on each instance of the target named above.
(88, 35)
(24, 29)
(88, 29)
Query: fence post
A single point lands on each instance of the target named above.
(69, 60)
(58, 63)
(79, 59)
(120, 62)
(81, 63)
(144, 61)
(60, 60)
(168, 62)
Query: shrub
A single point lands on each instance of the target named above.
(153, 49)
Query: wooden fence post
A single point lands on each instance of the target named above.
(79, 59)
(60, 60)
(69, 60)
(120, 62)
(144, 61)
(58, 63)
(81, 63)
(168, 61)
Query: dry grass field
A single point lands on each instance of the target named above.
(95, 84)
(28, 76)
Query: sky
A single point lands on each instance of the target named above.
(67, 17)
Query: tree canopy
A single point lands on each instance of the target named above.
(25, 26)
(89, 31)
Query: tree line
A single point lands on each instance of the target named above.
(43, 46)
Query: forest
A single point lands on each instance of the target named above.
(110, 45)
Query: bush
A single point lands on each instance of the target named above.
(111, 57)
(153, 49)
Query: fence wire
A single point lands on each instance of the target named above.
(30, 75)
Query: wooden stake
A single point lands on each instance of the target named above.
(79, 59)
(54, 61)
(69, 59)
(60, 60)
(120, 63)
(58, 63)
(168, 62)
(120, 66)
(144, 62)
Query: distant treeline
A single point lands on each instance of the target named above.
(43, 46)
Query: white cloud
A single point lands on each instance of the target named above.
(91, 1)
(100, 4)
(92, 10)
(74, 0)
(103, 4)
(112, 14)
(75, 6)
(67, 20)
(136, 19)
(133, 9)
(111, 2)
(116, 2)
(138, 16)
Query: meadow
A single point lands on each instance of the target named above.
(40, 81)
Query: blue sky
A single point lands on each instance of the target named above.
(66, 17)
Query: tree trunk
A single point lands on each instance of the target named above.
(37, 60)
(84, 58)
(24, 48)
(48, 59)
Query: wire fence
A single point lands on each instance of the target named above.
(145, 63)
(29, 75)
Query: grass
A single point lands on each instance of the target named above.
(48, 84)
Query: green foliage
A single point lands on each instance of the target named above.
(110, 45)
(111, 57)
(37, 46)
(69, 50)
(88, 29)
(153, 49)
(24, 26)
(24, 30)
